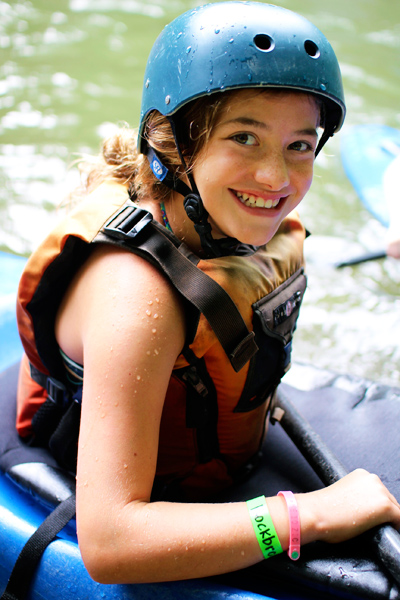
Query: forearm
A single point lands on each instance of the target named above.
(149, 542)
(137, 542)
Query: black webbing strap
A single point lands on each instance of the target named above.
(194, 285)
(209, 297)
(29, 557)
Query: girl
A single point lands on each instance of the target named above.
(177, 317)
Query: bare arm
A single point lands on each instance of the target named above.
(129, 353)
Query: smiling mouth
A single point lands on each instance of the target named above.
(256, 201)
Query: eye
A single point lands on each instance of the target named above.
(300, 146)
(245, 139)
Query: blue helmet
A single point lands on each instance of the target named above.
(233, 45)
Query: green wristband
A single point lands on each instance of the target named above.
(264, 527)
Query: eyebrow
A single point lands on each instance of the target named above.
(254, 123)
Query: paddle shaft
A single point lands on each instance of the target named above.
(329, 469)
(357, 260)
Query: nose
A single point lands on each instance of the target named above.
(272, 171)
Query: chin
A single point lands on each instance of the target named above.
(253, 236)
(255, 240)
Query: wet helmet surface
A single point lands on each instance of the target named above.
(231, 45)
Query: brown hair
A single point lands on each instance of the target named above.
(120, 159)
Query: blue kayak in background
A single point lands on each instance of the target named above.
(366, 152)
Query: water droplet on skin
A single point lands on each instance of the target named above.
(148, 313)
(156, 352)
(138, 377)
(154, 330)
(157, 300)
(125, 466)
(155, 316)
(148, 352)
(150, 302)
(102, 415)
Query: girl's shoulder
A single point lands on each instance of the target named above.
(114, 294)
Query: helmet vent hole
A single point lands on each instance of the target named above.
(312, 49)
(264, 42)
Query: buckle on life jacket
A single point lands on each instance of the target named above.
(55, 391)
(127, 222)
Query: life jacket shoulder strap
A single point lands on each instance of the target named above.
(134, 229)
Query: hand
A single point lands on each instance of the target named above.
(393, 248)
(347, 508)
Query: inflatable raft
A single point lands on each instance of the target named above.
(356, 418)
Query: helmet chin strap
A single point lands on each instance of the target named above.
(197, 213)
(194, 207)
(212, 248)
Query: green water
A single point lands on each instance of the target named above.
(70, 71)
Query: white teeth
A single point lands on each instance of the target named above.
(257, 201)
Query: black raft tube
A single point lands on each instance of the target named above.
(329, 469)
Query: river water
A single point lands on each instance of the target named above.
(70, 70)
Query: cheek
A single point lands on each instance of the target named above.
(304, 178)
(212, 176)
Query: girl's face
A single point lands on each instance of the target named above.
(258, 163)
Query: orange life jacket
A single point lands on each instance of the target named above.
(215, 409)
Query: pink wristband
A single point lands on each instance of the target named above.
(294, 525)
